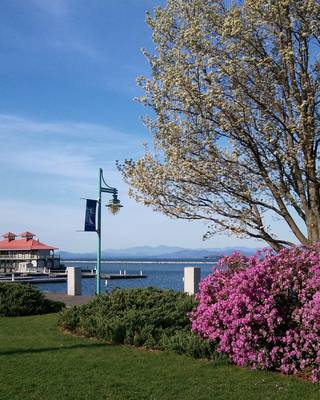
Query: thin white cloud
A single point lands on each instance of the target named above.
(71, 153)
(47, 166)
(13, 124)
(53, 162)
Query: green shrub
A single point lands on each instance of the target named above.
(22, 299)
(152, 318)
(187, 342)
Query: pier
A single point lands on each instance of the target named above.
(62, 277)
(119, 276)
(33, 280)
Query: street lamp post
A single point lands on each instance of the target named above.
(114, 206)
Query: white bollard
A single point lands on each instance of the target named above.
(192, 276)
(74, 281)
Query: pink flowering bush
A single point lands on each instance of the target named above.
(264, 310)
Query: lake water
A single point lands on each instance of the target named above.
(161, 275)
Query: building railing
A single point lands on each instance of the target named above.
(26, 257)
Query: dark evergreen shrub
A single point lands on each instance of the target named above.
(153, 318)
(22, 299)
(187, 342)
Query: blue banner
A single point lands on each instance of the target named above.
(90, 221)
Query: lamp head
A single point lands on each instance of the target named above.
(114, 204)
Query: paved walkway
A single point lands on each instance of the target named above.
(69, 301)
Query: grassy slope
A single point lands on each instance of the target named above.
(38, 362)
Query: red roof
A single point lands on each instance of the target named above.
(26, 243)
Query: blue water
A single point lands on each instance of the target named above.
(159, 274)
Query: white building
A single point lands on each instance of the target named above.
(26, 254)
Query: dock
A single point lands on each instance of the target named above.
(62, 277)
(33, 280)
(115, 276)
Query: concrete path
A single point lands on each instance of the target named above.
(69, 301)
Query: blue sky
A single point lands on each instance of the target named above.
(67, 83)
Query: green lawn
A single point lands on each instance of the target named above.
(39, 362)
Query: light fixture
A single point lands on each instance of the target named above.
(114, 205)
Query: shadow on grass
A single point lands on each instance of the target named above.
(49, 349)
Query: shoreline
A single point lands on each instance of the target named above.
(138, 262)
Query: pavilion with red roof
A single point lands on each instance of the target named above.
(24, 253)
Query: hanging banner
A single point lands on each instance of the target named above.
(90, 221)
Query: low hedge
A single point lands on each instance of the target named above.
(22, 299)
(153, 318)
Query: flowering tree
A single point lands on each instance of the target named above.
(265, 312)
(235, 94)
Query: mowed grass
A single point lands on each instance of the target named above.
(39, 362)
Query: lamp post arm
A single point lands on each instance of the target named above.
(106, 186)
(106, 190)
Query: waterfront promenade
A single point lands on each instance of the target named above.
(69, 301)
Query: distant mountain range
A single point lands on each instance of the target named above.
(160, 252)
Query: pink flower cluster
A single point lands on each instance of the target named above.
(264, 311)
